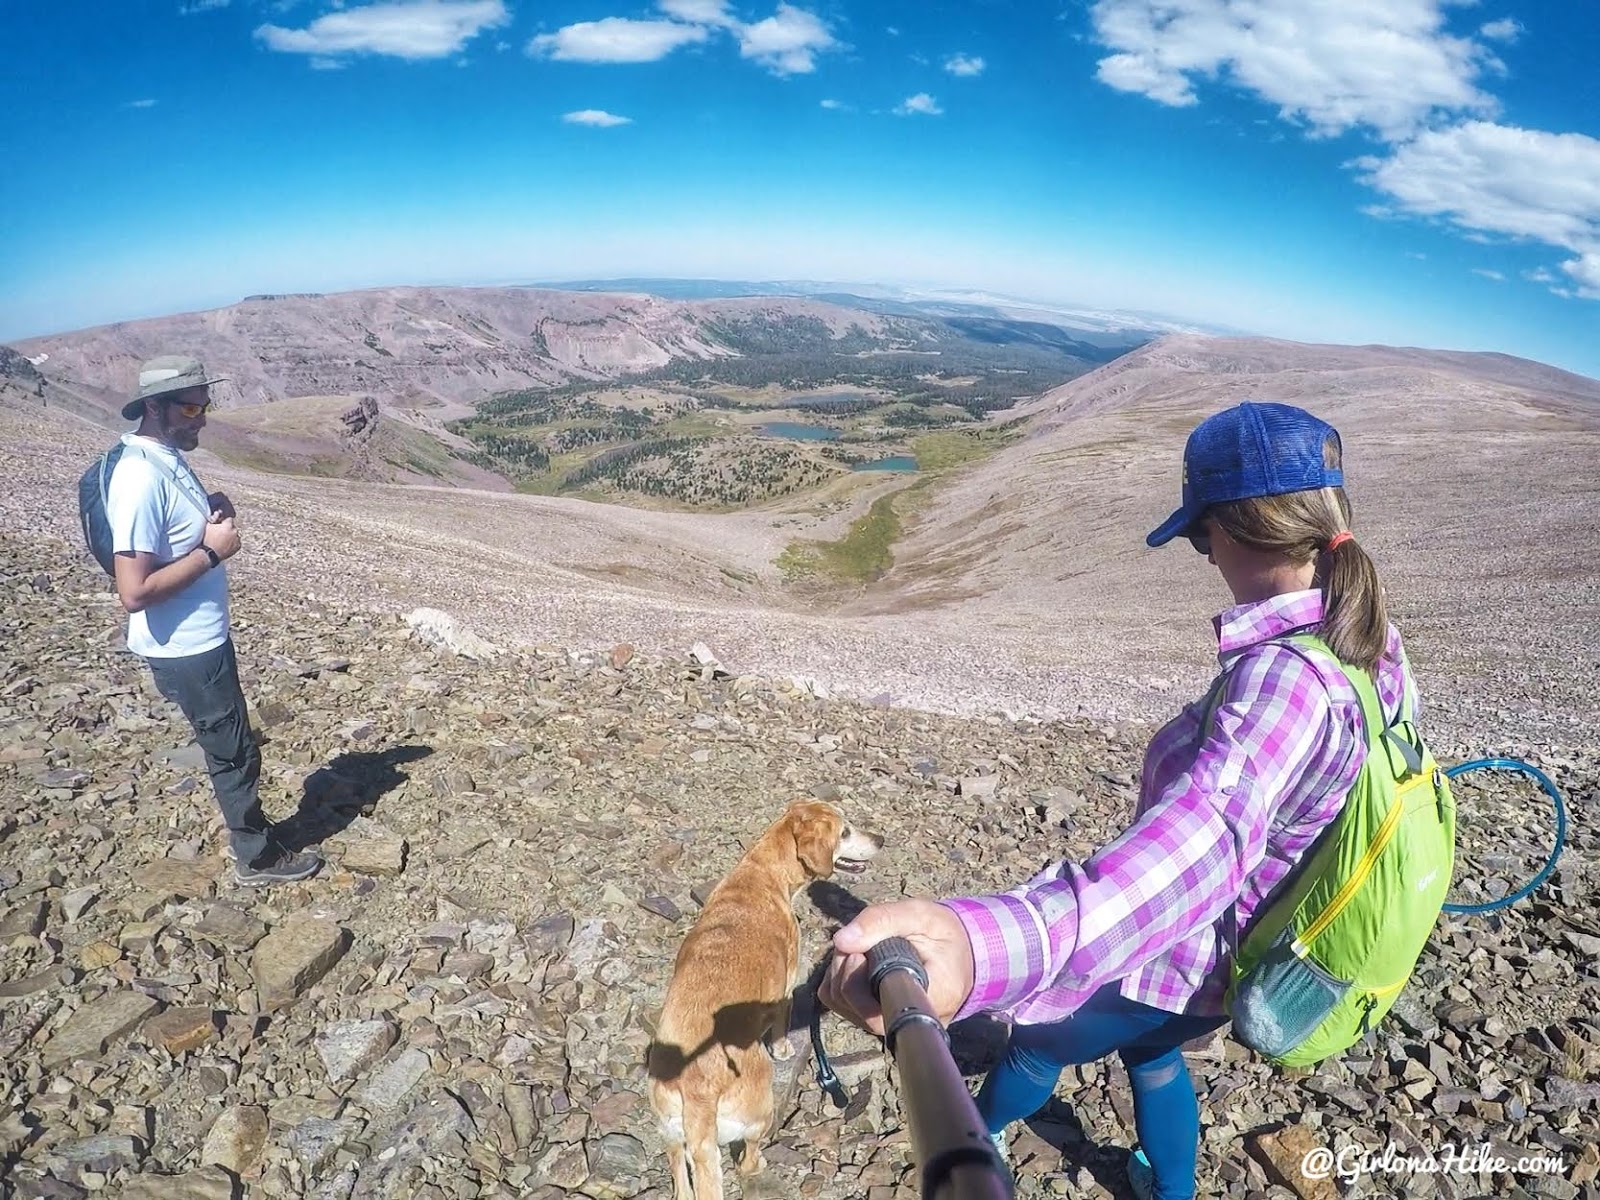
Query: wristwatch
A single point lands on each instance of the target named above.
(216, 559)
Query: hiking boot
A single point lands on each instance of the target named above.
(286, 868)
(999, 1140)
(1140, 1177)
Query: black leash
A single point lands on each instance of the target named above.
(827, 1079)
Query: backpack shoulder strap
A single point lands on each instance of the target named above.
(1380, 732)
(172, 477)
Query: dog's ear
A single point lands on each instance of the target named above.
(816, 837)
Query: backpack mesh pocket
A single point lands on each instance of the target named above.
(1280, 1001)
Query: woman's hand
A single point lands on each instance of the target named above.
(935, 932)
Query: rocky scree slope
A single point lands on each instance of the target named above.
(458, 1007)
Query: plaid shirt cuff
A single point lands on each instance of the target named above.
(1010, 950)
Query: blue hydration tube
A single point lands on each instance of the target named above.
(1512, 764)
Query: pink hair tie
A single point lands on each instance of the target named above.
(1339, 539)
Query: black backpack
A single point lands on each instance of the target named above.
(92, 489)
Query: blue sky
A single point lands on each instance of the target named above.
(1397, 171)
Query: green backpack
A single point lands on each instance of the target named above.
(1326, 957)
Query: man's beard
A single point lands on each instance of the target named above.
(183, 439)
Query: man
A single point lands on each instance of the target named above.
(171, 539)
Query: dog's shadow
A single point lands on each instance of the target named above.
(834, 902)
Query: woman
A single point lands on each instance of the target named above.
(1128, 951)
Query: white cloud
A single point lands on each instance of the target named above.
(1417, 254)
(833, 105)
(1486, 179)
(616, 40)
(146, 103)
(1498, 179)
(1508, 29)
(964, 64)
(1497, 276)
(787, 42)
(1538, 275)
(700, 12)
(1585, 272)
(200, 6)
(410, 29)
(921, 104)
(1386, 65)
(597, 117)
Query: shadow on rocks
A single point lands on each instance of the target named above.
(349, 786)
(1060, 1129)
(834, 902)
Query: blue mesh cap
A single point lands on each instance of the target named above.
(1246, 451)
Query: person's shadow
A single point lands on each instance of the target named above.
(349, 786)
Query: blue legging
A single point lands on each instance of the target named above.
(1165, 1110)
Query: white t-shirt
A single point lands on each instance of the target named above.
(156, 506)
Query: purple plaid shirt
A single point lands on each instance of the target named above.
(1223, 815)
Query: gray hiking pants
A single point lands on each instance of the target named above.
(206, 687)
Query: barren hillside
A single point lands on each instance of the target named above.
(434, 347)
(1474, 480)
(1023, 585)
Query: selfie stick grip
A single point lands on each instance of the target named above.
(949, 1141)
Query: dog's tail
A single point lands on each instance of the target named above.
(667, 1101)
(705, 1155)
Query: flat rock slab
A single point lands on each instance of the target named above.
(208, 1183)
(294, 956)
(179, 1030)
(316, 1140)
(30, 985)
(175, 877)
(237, 1140)
(75, 903)
(104, 1152)
(96, 1025)
(350, 1047)
(1283, 1154)
(368, 848)
(184, 758)
(617, 1165)
(24, 919)
(435, 1128)
(389, 1086)
(225, 925)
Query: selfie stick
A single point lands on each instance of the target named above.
(949, 1141)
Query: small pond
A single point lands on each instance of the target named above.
(795, 431)
(896, 462)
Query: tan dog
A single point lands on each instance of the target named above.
(710, 1078)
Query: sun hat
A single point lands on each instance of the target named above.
(1252, 449)
(169, 373)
